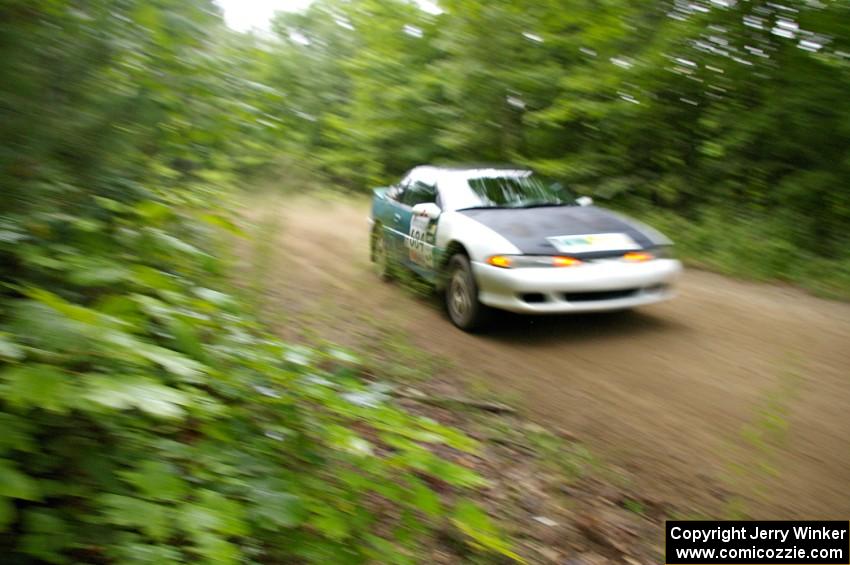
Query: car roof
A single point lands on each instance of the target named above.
(473, 167)
(435, 172)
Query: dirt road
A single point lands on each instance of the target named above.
(733, 390)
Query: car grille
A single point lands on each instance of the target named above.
(599, 295)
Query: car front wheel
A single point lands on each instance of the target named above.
(465, 311)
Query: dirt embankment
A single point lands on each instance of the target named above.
(732, 391)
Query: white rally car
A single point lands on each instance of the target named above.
(501, 237)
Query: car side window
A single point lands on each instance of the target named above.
(419, 192)
(397, 190)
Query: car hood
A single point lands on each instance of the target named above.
(535, 231)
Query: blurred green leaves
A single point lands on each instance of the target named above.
(473, 522)
(121, 392)
(37, 385)
(146, 417)
(157, 480)
(15, 484)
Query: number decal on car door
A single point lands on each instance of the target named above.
(420, 241)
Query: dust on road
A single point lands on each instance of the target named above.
(733, 390)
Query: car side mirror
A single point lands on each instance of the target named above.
(584, 201)
(427, 209)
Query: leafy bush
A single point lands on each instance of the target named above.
(147, 420)
(752, 247)
(146, 417)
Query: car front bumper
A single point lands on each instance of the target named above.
(591, 287)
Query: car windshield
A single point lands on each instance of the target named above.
(501, 188)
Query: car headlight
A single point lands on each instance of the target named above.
(638, 256)
(526, 261)
(665, 252)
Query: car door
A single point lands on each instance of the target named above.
(410, 238)
(396, 219)
(420, 230)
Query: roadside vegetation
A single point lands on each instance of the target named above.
(148, 417)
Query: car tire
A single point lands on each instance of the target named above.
(379, 253)
(461, 296)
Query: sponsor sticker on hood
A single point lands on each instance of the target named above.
(593, 242)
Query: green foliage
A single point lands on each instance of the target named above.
(473, 522)
(146, 417)
(752, 247)
(755, 467)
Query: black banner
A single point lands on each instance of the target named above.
(763, 543)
